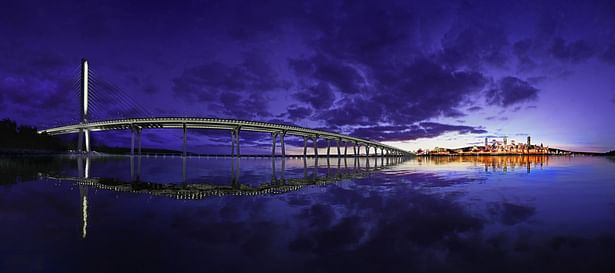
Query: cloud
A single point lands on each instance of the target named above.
(574, 52)
(232, 91)
(319, 97)
(510, 91)
(609, 55)
(424, 90)
(202, 82)
(511, 214)
(415, 131)
(353, 111)
(475, 108)
(297, 112)
(474, 46)
(324, 69)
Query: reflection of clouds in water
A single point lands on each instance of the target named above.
(388, 222)
(510, 214)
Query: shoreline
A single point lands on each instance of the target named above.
(515, 154)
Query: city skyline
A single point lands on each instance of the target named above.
(447, 76)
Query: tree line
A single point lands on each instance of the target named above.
(14, 137)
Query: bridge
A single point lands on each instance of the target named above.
(136, 125)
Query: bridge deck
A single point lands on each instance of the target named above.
(212, 123)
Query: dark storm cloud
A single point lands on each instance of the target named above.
(475, 108)
(201, 83)
(573, 52)
(243, 106)
(510, 91)
(297, 112)
(424, 90)
(353, 111)
(474, 46)
(401, 95)
(511, 214)
(609, 55)
(23, 60)
(234, 91)
(523, 50)
(151, 89)
(328, 70)
(416, 131)
(319, 96)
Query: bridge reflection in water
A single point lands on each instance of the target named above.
(318, 172)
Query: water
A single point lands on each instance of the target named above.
(459, 214)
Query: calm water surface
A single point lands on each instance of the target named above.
(154, 214)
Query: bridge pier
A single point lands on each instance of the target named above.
(304, 146)
(274, 137)
(282, 144)
(80, 141)
(132, 140)
(315, 146)
(367, 151)
(237, 140)
(328, 147)
(184, 147)
(338, 147)
(345, 149)
(232, 143)
(139, 139)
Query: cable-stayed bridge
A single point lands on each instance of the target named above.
(137, 124)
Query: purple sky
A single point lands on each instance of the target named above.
(414, 75)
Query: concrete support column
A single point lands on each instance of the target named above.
(304, 146)
(328, 147)
(315, 145)
(354, 148)
(282, 144)
(139, 139)
(184, 146)
(232, 142)
(237, 142)
(367, 150)
(345, 148)
(132, 140)
(274, 137)
(80, 141)
(338, 146)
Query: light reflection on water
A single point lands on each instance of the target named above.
(447, 214)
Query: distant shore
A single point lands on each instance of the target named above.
(519, 154)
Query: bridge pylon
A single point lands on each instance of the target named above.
(84, 133)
